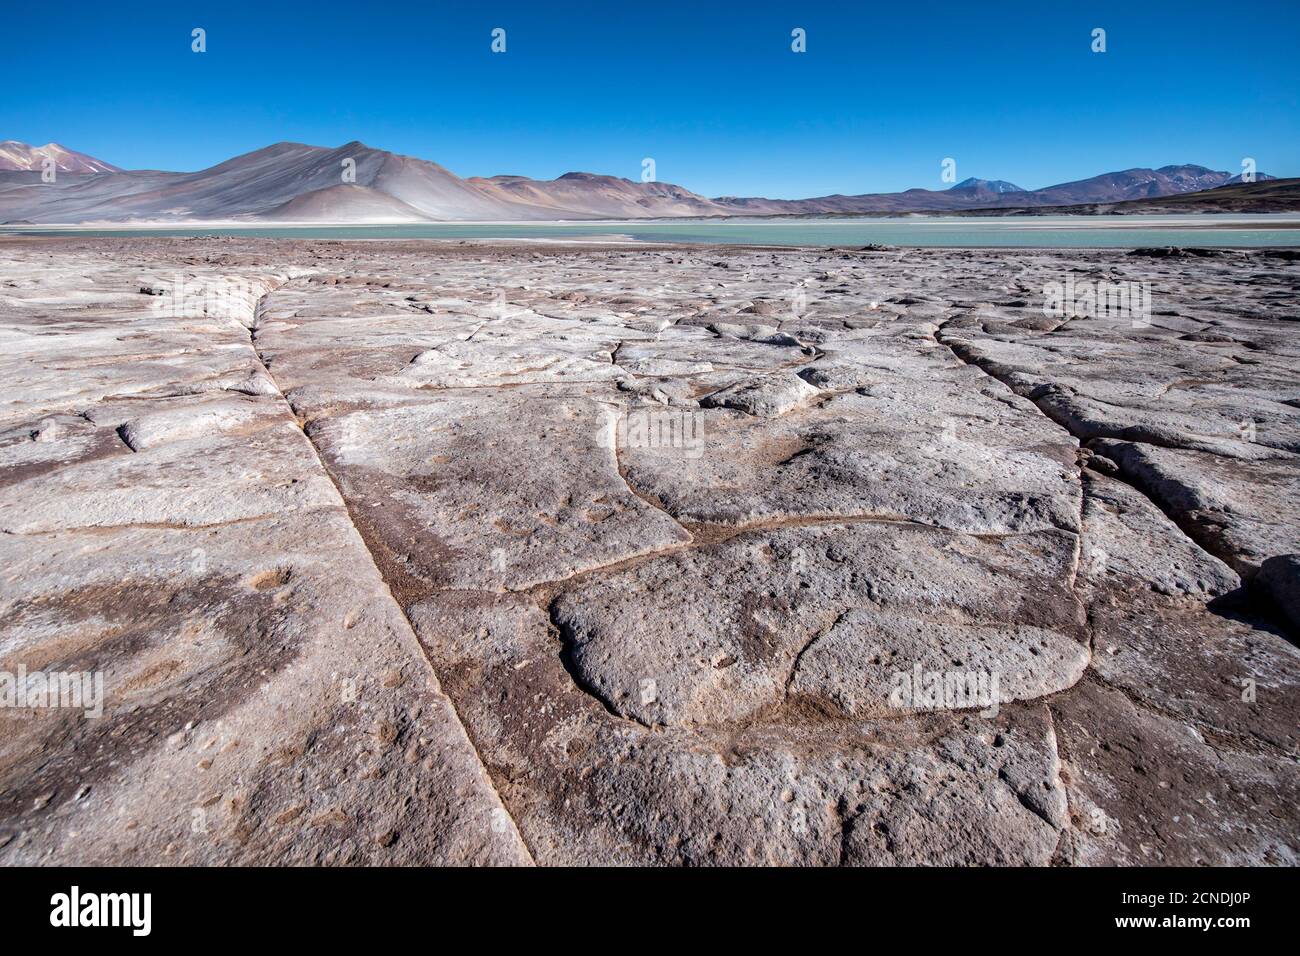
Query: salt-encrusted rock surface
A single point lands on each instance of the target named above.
(412, 552)
(264, 697)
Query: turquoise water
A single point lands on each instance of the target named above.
(1011, 231)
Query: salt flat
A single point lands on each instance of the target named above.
(410, 552)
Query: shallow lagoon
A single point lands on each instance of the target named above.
(1240, 231)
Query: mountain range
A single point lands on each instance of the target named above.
(294, 182)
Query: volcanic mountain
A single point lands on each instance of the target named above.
(19, 156)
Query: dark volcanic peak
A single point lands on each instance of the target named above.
(988, 185)
(593, 178)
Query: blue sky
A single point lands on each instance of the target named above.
(711, 91)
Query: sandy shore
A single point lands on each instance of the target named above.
(426, 553)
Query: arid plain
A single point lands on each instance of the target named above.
(410, 552)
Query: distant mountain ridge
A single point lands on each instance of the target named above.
(1139, 183)
(295, 182)
(1267, 195)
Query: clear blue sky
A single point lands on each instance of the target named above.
(712, 91)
